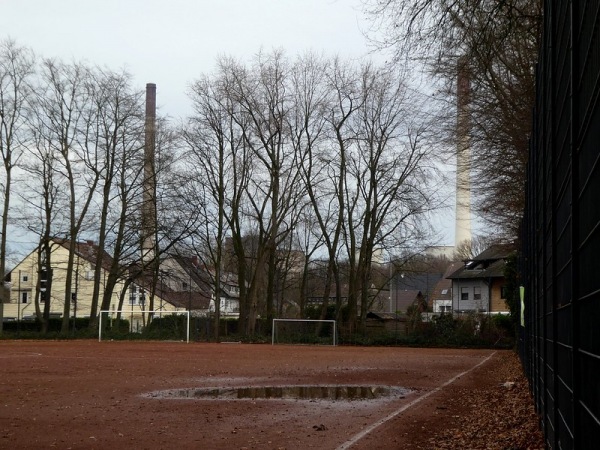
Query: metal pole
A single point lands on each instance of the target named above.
(391, 287)
(75, 297)
(188, 327)
(19, 305)
(100, 328)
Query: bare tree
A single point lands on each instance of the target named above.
(16, 70)
(118, 131)
(469, 250)
(42, 198)
(301, 155)
(500, 42)
(68, 126)
(214, 140)
(266, 102)
(385, 192)
(264, 208)
(325, 165)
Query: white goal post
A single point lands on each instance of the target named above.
(129, 314)
(297, 324)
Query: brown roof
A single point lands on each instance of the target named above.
(87, 250)
(195, 299)
(187, 300)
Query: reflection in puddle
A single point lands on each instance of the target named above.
(286, 392)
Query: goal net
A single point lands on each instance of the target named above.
(304, 331)
(145, 325)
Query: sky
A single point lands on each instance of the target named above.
(171, 43)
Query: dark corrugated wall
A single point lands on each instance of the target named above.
(560, 343)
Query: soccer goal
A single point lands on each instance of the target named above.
(304, 331)
(144, 324)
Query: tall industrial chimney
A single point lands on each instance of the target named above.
(463, 156)
(149, 186)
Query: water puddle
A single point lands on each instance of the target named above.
(285, 392)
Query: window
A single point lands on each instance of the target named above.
(44, 279)
(444, 291)
(503, 292)
(24, 277)
(24, 297)
(132, 296)
(476, 293)
(464, 293)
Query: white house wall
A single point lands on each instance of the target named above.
(228, 307)
(468, 286)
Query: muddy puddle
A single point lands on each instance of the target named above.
(332, 393)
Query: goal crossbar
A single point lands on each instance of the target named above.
(332, 322)
(137, 312)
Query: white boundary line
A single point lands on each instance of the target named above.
(370, 428)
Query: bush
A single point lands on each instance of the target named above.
(31, 329)
(444, 325)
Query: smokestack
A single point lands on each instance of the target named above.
(149, 186)
(463, 156)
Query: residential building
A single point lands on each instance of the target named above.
(24, 278)
(194, 281)
(441, 297)
(397, 301)
(24, 281)
(478, 286)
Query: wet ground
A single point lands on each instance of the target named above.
(312, 393)
(86, 394)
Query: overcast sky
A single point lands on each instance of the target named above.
(172, 42)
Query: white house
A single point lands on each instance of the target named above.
(478, 286)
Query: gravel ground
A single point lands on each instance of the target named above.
(85, 394)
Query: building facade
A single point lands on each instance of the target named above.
(25, 290)
(478, 285)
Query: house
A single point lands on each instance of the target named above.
(183, 282)
(230, 296)
(194, 281)
(400, 301)
(441, 297)
(24, 281)
(420, 280)
(24, 278)
(478, 286)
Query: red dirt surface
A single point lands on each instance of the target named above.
(91, 395)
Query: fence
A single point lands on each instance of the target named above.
(560, 345)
